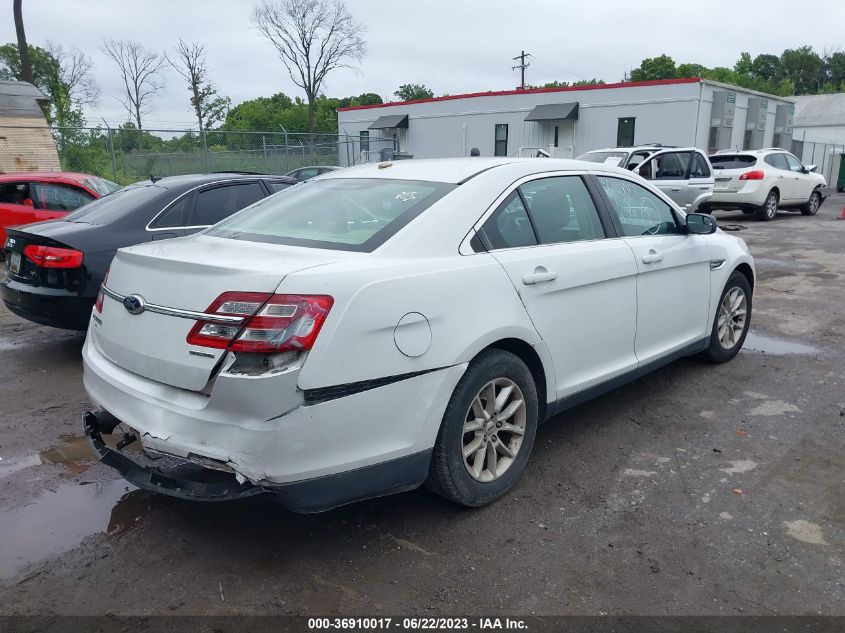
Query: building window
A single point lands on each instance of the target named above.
(364, 139)
(625, 132)
(556, 136)
(501, 140)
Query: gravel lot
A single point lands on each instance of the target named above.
(700, 489)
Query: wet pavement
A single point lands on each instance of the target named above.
(700, 489)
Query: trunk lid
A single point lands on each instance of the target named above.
(185, 274)
(727, 168)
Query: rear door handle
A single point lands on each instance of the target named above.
(539, 275)
(652, 257)
(675, 189)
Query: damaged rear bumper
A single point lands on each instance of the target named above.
(175, 477)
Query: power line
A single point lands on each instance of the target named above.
(522, 65)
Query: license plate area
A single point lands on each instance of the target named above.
(15, 263)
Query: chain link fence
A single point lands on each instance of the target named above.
(129, 155)
(827, 157)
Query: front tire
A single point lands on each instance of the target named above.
(811, 207)
(487, 432)
(733, 317)
(769, 209)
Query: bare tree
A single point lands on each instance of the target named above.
(312, 38)
(76, 74)
(141, 70)
(189, 61)
(23, 48)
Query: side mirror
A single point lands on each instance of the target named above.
(810, 168)
(701, 224)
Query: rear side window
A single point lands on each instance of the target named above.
(305, 174)
(509, 226)
(15, 193)
(216, 204)
(562, 210)
(355, 214)
(699, 167)
(638, 210)
(54, 197)
(732, 161)
(176, 215)
(778, 161)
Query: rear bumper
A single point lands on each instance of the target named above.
(260, 429)
(47, 306)
(752, 195)
(186, 480)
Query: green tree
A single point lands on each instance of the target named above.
(653, 68)
(744, 64)
(803, 67)
(368, 98)
(835, 70)
(208, 105)
(412, 92)
(691, 70)
(767, 68)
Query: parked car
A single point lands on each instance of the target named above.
(400, 323)
(761, 181)
(682, 173)
(34, 196)
(306, 173)
(54, 269)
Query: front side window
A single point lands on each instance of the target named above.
(305, 174)
(562, 210)
(216, 204)
(56, 197)
(625, 132)
(639, 211)
(794, 164)
(355, 214)
(501, 140)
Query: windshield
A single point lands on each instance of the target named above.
(616, 159)
(100, 185)
(108, 208)
(732, 161)
(356, 214)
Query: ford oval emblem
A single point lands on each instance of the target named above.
(134, 304)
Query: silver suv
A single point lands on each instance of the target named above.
(682, 173)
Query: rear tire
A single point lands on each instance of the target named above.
(733, 317)
(769, 209)
(487, 432)
(811, 207)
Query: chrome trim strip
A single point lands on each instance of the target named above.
(176, 312)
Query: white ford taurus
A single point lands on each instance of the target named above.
(397, 324)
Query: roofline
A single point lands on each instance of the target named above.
(748, 90)
(503, 93)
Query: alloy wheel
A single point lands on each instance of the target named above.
(771, 206)
(813, 204)
(732, 316)
(494, 426)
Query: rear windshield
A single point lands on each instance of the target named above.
(354, 214)
(616, 159)
(111, 207)
(100, 185)
(732, 161)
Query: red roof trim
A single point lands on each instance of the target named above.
(502, 93)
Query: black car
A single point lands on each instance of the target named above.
(54, 269)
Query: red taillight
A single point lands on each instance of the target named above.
(273, 323)
(755, 174)
(98, 306)
(52, 257)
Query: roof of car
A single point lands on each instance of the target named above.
(458, 170)
(749, 152)
(199, 179)
(45, 175)
(636, 148)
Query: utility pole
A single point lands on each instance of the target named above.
(23, 49)
(522, 65)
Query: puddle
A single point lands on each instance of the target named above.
(72, 452)
(763, 344)
(57, 521)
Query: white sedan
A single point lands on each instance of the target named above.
(397, 324)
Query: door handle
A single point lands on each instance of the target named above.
(652, 257)
(539, 275)
(675, 189)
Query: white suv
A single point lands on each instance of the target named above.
(682, 173)
(760, 181)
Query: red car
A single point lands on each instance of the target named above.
(34, 196)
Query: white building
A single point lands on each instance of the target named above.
(820, 118)
(566, 122)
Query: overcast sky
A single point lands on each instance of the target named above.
(451, 46)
